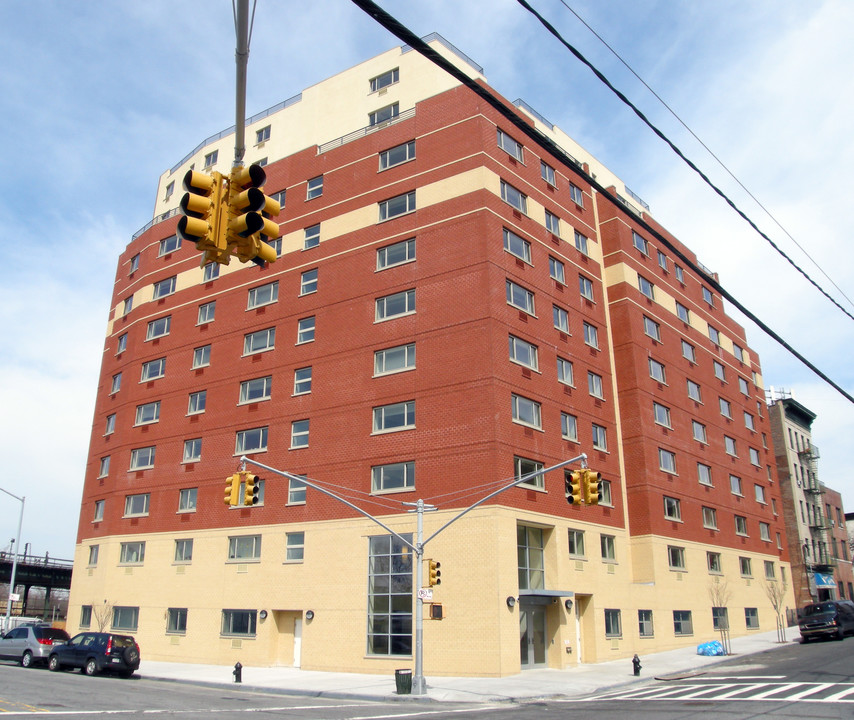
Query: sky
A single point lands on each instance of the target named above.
(105, 96)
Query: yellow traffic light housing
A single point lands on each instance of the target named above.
(573, 487)
(204, 215)
(434, 574)
(591, 487)
(232, 488)
(251, 489)
(249, 216)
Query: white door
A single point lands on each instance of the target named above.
(297, 641)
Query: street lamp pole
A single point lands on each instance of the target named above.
(22, 500)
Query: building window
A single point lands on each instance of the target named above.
(145, 414)
(656, 371)
(116, 383)
(748, 422)
(98, 515)
(646, 287)
(676, 557)
(302, 381)
(134, 264)
(569, 427)
(613, 629)
(392, 477)
(662, 261)
(556, 270)
(153, 369)
(548, 173)
(560, 318)
(585, 287)
(699, 432)
(514, 197)
(211, 272)
(759, 492)
(241, 623)
(314, 188)
(729, 445)
(754, 456)
(168, 245)
(192, 450)
(397, 155)
(594, 385)
(122, 344)
(576, 543)
(608, 547)
(720, 620)
(397, 206)
(710, 518)
(296, 492)
(682, 623)
(308, 282)
(591, 335)
(176, 618)
(740, 525)
(576, 195)
(640, 243)
(305, 330)
(389, 596)
(127, 306)
(720, 371)
(564, 372)
(661, 414)
(132, 553)
(93, 555)
(667, 461)
(396, 359)
(390, 306)
(553, 223)
(735, 485)
(510, 146)
(600, 439)
(605, 493)
(688, 352)
(201, 356)
(526, 412)
(764, 532)
(244, 547)
(397, 416)
(708, 297)
(111, 424)
(294, 547)
(164, 287)
(524, 466)
(384, 114)
(694, 391)
(142, 458)
(769, 570)
(125, 618)
(299, 433)
(197, 402)
(85, 616)
(645, 623)
(517, 246)
(397, 254)
(384, 80)
(524, 353)
(259, 341)
(262, 135)
(672, 508)
(249, 441)
(652, 328)
(104, 468)
(714, 335)
(519, 297)
(530, 545)
(184, 550)
(211, 158)
(158, 328)
(744, 566)
(256, 389)
(312, 237)
(713, 562)
(581, 243)
(751, 618)
(263, 295)
(743, 386)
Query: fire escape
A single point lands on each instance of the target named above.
(819, 558)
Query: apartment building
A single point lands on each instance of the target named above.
(454, 305)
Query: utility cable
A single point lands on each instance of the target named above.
(417, 44)
(707, 149)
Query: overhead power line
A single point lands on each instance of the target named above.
(417, 44)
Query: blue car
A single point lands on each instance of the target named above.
(95, 652)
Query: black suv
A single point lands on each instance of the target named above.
(830, 618)
(94, 652)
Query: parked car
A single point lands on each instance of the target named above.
(29, 644)
(94, 652)
(830, 618)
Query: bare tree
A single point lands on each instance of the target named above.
(720, 595)
(102, 614)
(776, 592)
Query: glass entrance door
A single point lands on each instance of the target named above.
(532, 637)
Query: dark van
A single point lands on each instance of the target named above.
(830, 618)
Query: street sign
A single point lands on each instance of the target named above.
(425, 594)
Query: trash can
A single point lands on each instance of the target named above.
(403, 681)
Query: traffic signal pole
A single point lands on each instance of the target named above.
(419, 685)
(241, 59)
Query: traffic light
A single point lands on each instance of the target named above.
(204, 215)
(249, 216)
(572, 481)
(232, 488)
(434, 574)
(591, 487)
(251, 489)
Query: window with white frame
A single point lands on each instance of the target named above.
(249, 441)
(656, 371)
(244, 547)
(142, 458)
(169, 245)
(201, 356)
(740, 525)
(672, 508)
(698, 430)
(720, 370)
(207, 311)
(652, 328)
(104, 467)
(396, 305)
(556, 270)
(164, 287)
(393, 417)
(263, 295)
(302, 381)
(132, 553)
(662, 261)
(640, 243)
(585, 287)
(397, 155)
(192, 450)
(600, 439)
(765, 531)
(738, 351)
(605, 493)
(308, 282)
(176, 621)
(667, 461)
(680, 274)
(591, 335)
(710, 518)
(646, 287)
(688, 352)
(136, 505)
(395, 359)
(256, 389)
(305, 330)
(517, 246)
(748, 421)
(197, 402)
(116, 383)
(564, 372)
(708, 297)
(262, 135)
(294, 547)
(158, 328)
(594, 385)
(714, 335)
(146, 414)
(122, 343)
(576, 195)
(385, 79)
(110, 427)
(754, 456)
(569, 427)
(523, 352)
(510, 146)
(759, 493)
(676, 557)
(683, 313)
(694, 391)
(608, 547)
(713, 563)
(560, 318)
(514, 197)
(520, 297)
(396, 254)
(127, 306)
(98, 515)
(553, 223)
(743, 386)
(661, 413)
(134, 264)
(745, 567)
(770, 573)
(384, 114)
(526, 411)
(311, 237)
(682, 622)
(730, 446)
(645, 627)
(704, 474)
(187, 498)
(211, 158)
(524, 466)
(299, 433)
(581, 243)
(576, 543)
(93, 555)
(397, 206)
(314, 188)
(735, 485)
(725, 407)
(296, 492)
(210, 272)
(393, 477)
(547, 172)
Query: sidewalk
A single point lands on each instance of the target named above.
(526, 686)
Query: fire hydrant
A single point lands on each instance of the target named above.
(238, 672)
(636, 664)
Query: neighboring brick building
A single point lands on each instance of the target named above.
(452, 306)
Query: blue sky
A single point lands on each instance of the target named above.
(105, 96)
